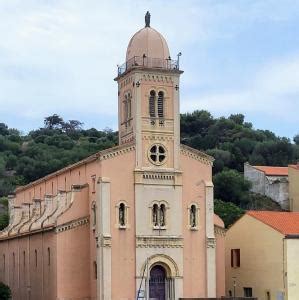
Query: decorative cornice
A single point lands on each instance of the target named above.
(196, 154)
(73, 224)
(104, 241)
(101, 155)
(151, 137)
(220, 231)
(159, 242)
(211, 242)
(117, 152)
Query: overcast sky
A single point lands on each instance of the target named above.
(60, 56)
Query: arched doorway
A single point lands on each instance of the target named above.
(157, 283)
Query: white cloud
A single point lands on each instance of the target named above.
(61, 56)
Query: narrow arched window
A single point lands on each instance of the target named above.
(160, 104)
(193, 216)
(152, 105)
(121, 214)
(94, 214)
(155, 213)
(126, 108)
(129, 112)
(35, 254)
(162, 215)
(49, 256)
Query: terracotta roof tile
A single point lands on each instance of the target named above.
(284, 222)
(273, 171)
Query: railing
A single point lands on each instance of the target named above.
(147, 62)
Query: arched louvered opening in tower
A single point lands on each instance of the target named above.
(161, 105)
(152, 108)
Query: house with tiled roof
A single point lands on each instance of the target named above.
(261, 256)
(270, 181)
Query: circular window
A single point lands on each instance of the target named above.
(157, 154)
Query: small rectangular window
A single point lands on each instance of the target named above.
(247, 292)
(235, 258)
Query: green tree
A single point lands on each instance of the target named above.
(5, 292)
(230, 186)
(227, 211)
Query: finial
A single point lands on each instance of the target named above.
(147, 19)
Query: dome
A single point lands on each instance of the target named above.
(147, 41)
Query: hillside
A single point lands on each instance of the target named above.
(231, 141)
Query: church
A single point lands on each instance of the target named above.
(131, 222)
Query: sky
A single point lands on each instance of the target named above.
(61, 56)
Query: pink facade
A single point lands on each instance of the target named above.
(106, 226)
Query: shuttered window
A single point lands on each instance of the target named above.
(152, 108)
(160, 104)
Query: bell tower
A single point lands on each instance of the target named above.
(148, 100)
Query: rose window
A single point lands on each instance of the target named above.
(157, 154)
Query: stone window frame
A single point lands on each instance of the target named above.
(126, 216)
(159, 203)
(149, 153)
(197, 216)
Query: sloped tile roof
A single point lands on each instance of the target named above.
(273, 171)
(294, 166)
(286, 223)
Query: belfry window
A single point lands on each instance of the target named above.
(152, 104)
(160, 104)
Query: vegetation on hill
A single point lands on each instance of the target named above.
(231, 141)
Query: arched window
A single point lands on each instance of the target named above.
(152, 104)
(162, 215)
(160, 104)
(129, 109)
(126, 108)
(193, 216)
(49, 256)
(95, 270)
(159, 216)
(122, 215)
(94, 214)
(155, 213)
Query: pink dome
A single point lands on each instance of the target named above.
(147, 41)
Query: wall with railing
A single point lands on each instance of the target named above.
(147, 62)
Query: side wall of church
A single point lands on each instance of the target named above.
(83, 174)
(28, 266)
(194, 173)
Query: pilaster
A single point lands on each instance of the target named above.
(210, 240)
(103, 234)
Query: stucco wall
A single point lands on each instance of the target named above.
(292, 268)
(261, 257)
(256, 177)
(194, 172)
(294, 188)
(28, 275)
